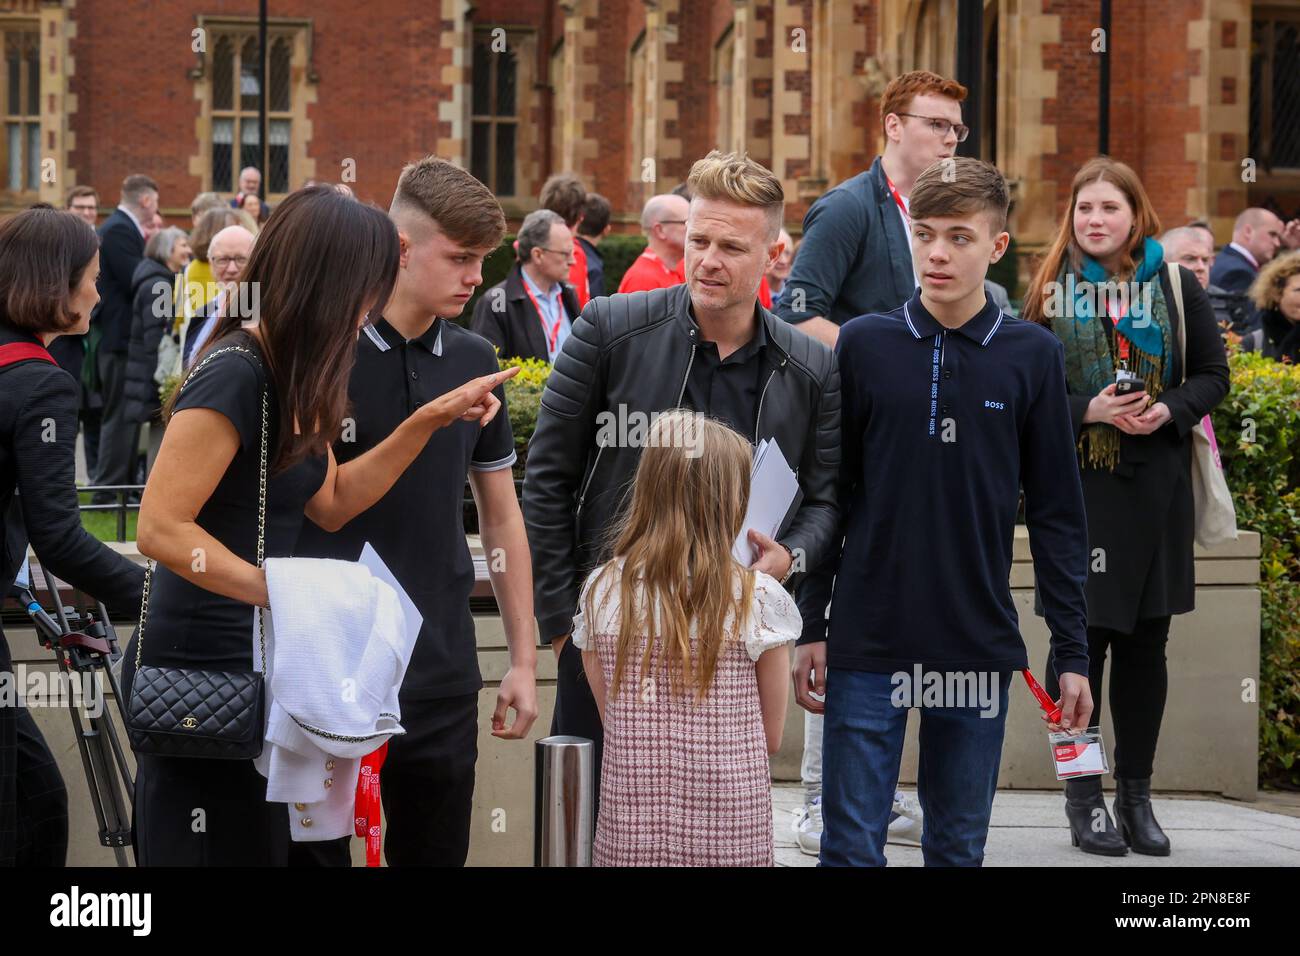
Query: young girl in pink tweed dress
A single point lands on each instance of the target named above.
(687, 652)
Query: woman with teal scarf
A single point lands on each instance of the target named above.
(1104, 289)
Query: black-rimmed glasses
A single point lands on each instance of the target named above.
(941, 126)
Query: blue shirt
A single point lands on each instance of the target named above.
(941, 429)
(855, 256)
(552, 308)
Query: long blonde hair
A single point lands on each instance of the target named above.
(674, 540)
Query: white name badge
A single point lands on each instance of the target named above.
(1078, 754)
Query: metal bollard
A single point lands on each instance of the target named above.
(564, 801)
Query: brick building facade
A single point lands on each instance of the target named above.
(627, 93)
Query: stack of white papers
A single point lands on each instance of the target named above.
(772, 490)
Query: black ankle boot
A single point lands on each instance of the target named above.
(1082, 800)
(1135, 819)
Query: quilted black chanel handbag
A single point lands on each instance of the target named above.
(186, 712)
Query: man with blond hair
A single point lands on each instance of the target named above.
(706, 345)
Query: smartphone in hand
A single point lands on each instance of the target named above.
(1127, 383)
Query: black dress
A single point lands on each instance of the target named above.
(195, 812)
(1141, 525)
(1140, 515)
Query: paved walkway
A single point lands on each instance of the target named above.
(1029, 829)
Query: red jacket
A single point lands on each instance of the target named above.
(578, 274)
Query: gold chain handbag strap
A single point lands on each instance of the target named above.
(261, 521)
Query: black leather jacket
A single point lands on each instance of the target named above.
(634, 351)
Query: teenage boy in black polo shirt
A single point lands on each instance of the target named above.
(949, 407)
(447, 222)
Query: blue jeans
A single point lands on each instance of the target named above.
(862, 748)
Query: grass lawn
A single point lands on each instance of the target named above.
(103, 524)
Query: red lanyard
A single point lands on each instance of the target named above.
(1046, 703)
(369, 805)
(893, 191)
(555, 329)
(1120, 341)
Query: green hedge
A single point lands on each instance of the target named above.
(1258, 430)
(524, 400)
(619, 252)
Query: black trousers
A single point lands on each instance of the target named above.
(90, 440)
(1139, 682)
(427, 787)
(117, 434)
(576, 713)
(196, 812)
(33, 799)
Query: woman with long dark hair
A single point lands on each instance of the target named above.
(322, 263)
(49, 261)
(1105, 290)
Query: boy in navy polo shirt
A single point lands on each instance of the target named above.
(447, 221)
(950, 406)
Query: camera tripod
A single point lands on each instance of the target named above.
(85, 646)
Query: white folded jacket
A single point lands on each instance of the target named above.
(337, 648)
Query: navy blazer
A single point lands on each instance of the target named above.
(505, 316)
(855, 257)
(121, 247)
(595, 268)
(848, 235)
(203, 315)
(1232, 272)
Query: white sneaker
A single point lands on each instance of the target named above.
(905, 821)
(808, 827)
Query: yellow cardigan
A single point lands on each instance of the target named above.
(199, 289)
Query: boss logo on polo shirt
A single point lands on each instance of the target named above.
(997, 405)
